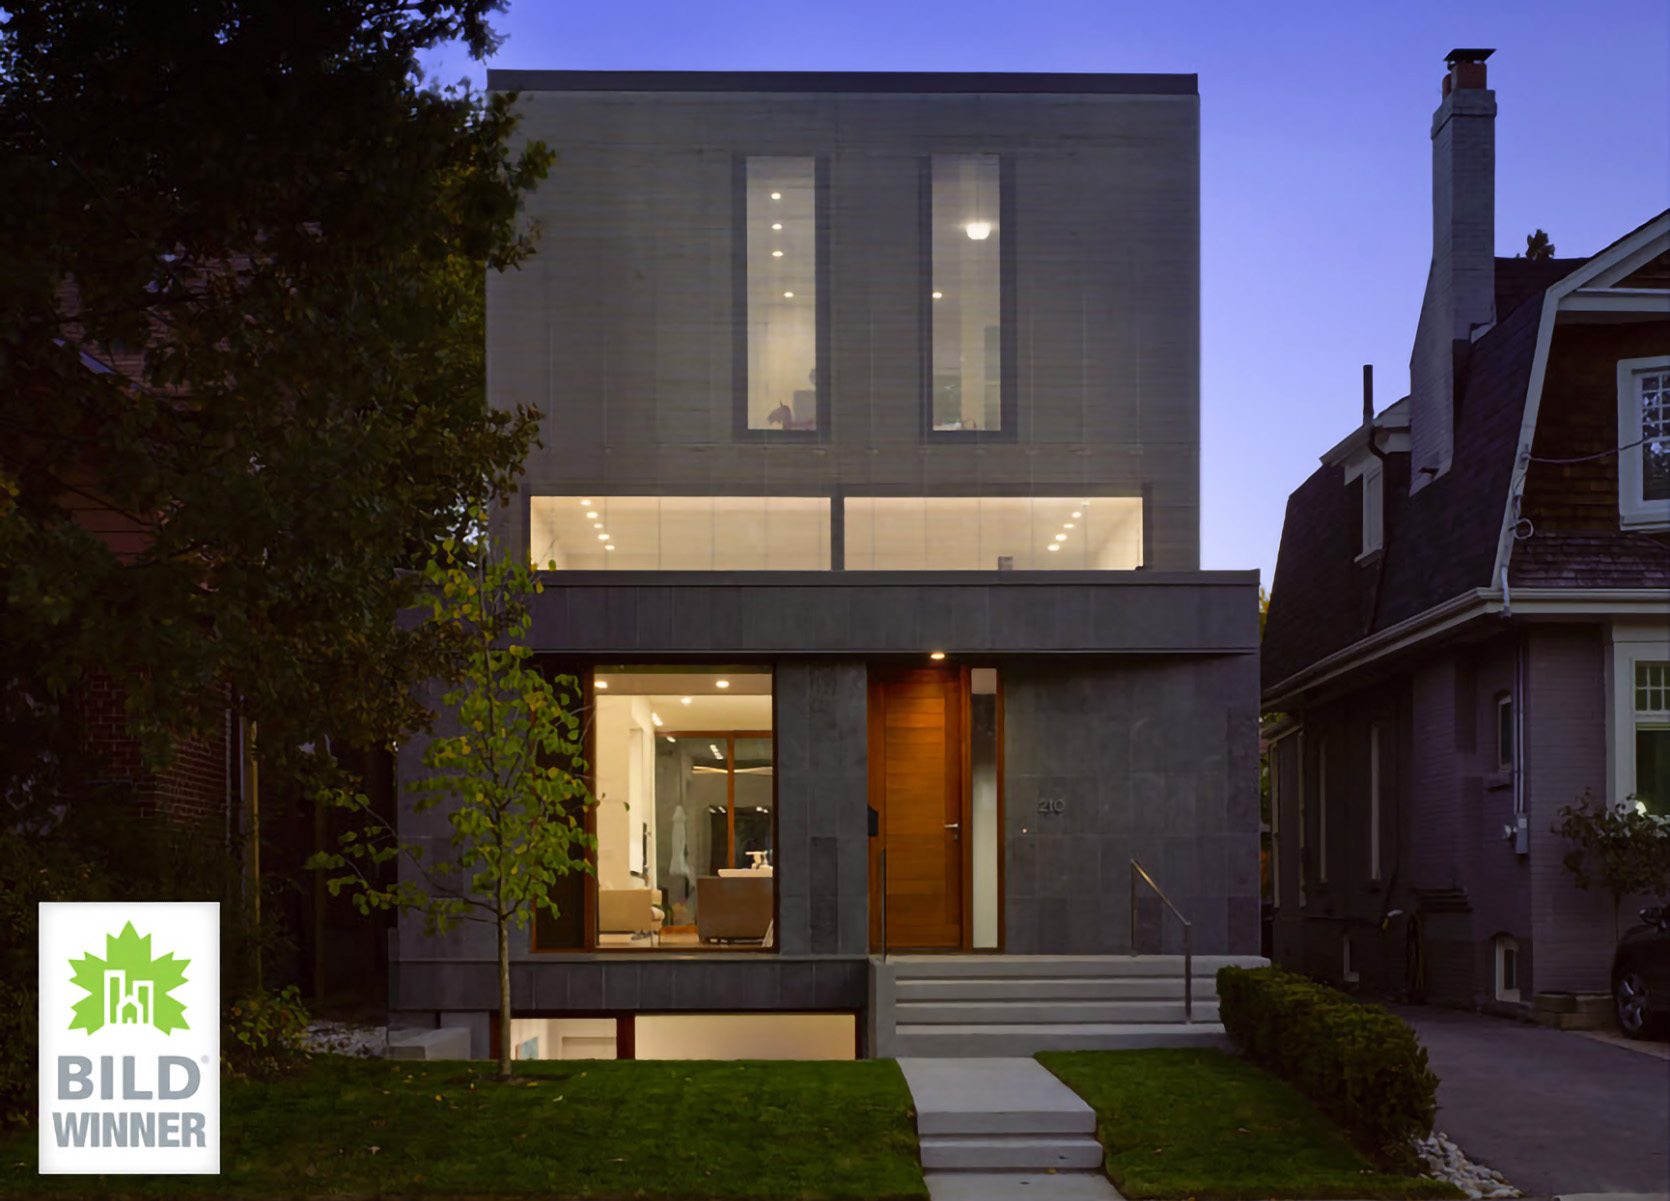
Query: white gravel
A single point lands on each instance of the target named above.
(340, 1038)
(1446, 1161)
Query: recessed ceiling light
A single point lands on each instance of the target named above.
(603, 537)
(1076, 513)
(585, 504)
(1066, 525)
(939, 295)
(684, 700)
(1061, 537)
(670, 738)
(656, 718)
(721, 683)
(776, 195)
(776, 225)
(776, 254)
(591, 513)
(1053, 546)
(602, 683)
(936, 656)
(597, 525)
(608, 546)
(979, 230)
(788, 295)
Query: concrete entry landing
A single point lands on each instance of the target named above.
(1003, 1127)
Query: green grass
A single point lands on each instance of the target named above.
(1205, 1124)
(576, 1129)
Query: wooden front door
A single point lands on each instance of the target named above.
(918, 749)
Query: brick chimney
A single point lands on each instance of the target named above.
(1461, 282)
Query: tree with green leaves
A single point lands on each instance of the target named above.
(505, 770)
(1621, 848)
(241, 364)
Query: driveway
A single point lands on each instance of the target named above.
(1551, 1110)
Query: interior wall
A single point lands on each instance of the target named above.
(625, 791)
(562, 1038)
(746, 1036)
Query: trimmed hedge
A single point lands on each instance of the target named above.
(1358, 1063)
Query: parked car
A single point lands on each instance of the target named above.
(1641, 975)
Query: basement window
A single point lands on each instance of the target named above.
(1507, 968)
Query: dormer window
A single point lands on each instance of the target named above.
(1644, 436)
(1373, 509)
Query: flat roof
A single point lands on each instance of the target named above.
(899, 82)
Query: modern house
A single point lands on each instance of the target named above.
(1469, 625)
(869, 501)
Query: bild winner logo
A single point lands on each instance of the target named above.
(130, 1040)
(128, 987)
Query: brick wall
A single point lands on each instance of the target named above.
(193, 787)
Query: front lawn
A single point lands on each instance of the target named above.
(689, 1131)
(1201, 1123)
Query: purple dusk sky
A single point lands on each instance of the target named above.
(1315, 163)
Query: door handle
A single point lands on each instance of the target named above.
(953, 825)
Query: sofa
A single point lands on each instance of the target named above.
(629, 911)
(734, 908)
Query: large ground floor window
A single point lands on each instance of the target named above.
(686, 807)
(687, 1036)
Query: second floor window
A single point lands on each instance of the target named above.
(1644, 435)
(966, 244)
(780, 243)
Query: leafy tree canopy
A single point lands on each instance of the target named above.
(241, 359)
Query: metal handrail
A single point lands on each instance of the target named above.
(1138, 871)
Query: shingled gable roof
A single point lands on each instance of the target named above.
(1443, 542)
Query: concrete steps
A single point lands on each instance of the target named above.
(997, 1040)
(999, 1115)
(1010, 1153)
(1044, 1012)
(1015, 1005)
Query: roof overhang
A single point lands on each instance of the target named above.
(1448, 618)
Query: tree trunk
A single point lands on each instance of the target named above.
(504, 996)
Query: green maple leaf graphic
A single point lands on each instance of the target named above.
(128, 976)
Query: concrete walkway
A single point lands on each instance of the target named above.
(1554, 1112)
(1004, 1128)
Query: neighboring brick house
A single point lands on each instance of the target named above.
(1469, 624)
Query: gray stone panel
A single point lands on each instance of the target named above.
(1148, 756)
(618, 328)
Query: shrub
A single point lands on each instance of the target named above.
(1357, 1063)
(266, 1035)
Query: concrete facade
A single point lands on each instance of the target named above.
(1129, 698)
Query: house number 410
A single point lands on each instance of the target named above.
(1052, 806)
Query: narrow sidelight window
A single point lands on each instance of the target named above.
(781, 248)
(965, 298)
(1374, 775)
(1504, 732)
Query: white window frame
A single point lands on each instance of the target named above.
(1501, 946)
(1374, 510)
(1322, 811)
(1504, 700)
(1634, 513)
(1376, 732)
(1299, 746)
(1631, 643)
(1275, 823)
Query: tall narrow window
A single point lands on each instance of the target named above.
(1304, 833)
(1373, 509)
(1644, 439)
(779, 294)
(1504, 732)
(1652, 736)
(1374, 770)
(965, 377)
(1322, 812)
